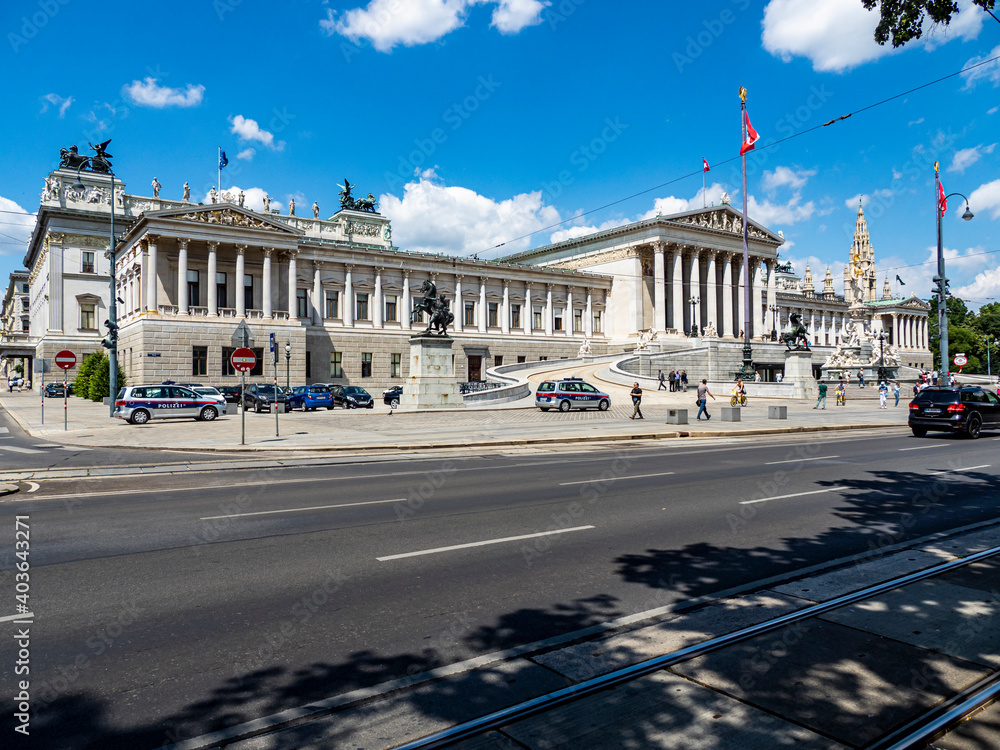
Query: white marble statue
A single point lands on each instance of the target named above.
(585, 350)
(156, 187)
(291, 207)
(213, 194)
(710, 331)
(315, 209)
(187, 193)
(267, 203)
(241, 197)
(51, 190)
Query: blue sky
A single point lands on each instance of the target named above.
(483, 122)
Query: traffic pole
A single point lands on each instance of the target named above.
(274, 404)
(243, 410)
(65, 404)
(43, 394)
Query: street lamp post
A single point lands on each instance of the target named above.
(99, 162)
(882, 375)
(941, 281)
(694, 322)
(288, 359)
(989, 344)
(774, 321)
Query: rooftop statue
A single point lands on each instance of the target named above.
(71, 158)
(346, 200)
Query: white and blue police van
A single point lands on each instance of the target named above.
(570, 393)
(140, 403)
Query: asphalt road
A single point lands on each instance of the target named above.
(166, 607)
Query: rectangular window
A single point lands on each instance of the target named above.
(301, 304)
(597, 321)
(390, 309)
(497, 360)
(87, 265)
(336, 364)
(577, 321)
(536, 318)
(24, 305)
(87, 314)
(199, 360)
(543, 359)
(557, 320)
(25, 288)
(521, 358)
(470, 314)
(332, 304)
(420, 315)
(395, 365)
(221, 290)
(193, 289)
(491, 314)
(366, 364)
(361, 306)
(227, 365)
(248, 291)
(515, 316)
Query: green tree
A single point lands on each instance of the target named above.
(962, 337)
(81, 384)
(100, 379)
(902, 20)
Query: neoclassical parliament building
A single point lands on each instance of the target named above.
(338, 292)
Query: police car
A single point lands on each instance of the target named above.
(570, 393)
(140, 403)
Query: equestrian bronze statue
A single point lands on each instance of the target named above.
(438, 312)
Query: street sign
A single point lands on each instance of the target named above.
(274, 351)
(961, 360)
(243, 360)
(65, 359)
(242, 336)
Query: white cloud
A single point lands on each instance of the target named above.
(992, 110)
(984, 72)
(865, 199)
(249, 130)
(916, 122)
(786, 176)
(837, 35)
(966, 157)
(581, 230)
(436, 218)
(986, 284)
(674, 205)
(388, 23)
(58, 101)
(771, 214)
(148, 93)
(253, 199)
(19, 224)
(986, 198)
(246, 154)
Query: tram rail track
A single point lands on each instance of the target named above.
(917, 733)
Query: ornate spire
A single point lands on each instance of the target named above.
(886, 289)
(859, 275)
(807, 280)
(828, 282)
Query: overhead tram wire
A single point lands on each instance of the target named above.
(736, 158)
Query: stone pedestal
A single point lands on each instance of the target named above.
(431, 384)
(730, 413)
(677, 416)
(777, 412)
(798, 372)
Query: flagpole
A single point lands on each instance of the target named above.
(220, 170)
(703, 199)
(747, 369)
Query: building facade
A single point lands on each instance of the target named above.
(15, 326)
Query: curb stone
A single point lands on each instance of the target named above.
(8, 488)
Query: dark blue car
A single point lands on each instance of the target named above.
(310, 397)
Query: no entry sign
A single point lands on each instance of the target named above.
(243, 359)
(65, 359)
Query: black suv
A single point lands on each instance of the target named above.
(259, 397)
(968, 408)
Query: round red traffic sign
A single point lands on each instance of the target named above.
(243, 359)
(961, 360)
(65, 359)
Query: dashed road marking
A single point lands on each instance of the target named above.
(481, 544)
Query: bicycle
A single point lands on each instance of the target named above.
(841, 398)
(738, 399)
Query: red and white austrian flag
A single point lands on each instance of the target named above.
(751, 136)
(705, 162)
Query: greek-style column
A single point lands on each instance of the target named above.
(459, 304)
(144, 269)
(677, 287)
(772, 291)
(588, 321)
(293, 285)
(909, 331)
(404, 317)
(348, 313)
(213, 287)
(757, 300)
(528, 312)
(182, 276)
(377, 301)
(923, 334)
(712, 300)
(266, 282)
(505, 309)
(726, 329)
(659, 287)
(241, 308)
(482, 304)
(895, 329)
(568, 326)
(317, 293)
(150, 274)
(694, 287)
(548, 309)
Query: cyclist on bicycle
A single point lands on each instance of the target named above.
(841, 390)
(739, 393)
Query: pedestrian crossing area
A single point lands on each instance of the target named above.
(35, 449)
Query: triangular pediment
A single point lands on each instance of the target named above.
(224, 215)
(722, 218)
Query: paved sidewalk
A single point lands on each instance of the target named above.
(379, 429)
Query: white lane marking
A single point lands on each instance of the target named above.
(922, 447)
(481, 544)
(4, 430)
(32, 486)
(965, 468)
(314, 507)
(796, 494)
(615, 479)
(798, 460)
(16, 449)
(25, 616)
(71, 448)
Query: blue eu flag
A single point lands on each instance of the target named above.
(223, 161)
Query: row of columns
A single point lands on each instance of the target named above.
(910, 331)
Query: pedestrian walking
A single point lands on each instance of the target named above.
(861, 378)
(883, 395)
(702, 392)
(684, 380)
(821, 397)
(951, 380)
(677, 381)
(895, 392)
(661, 378)
(636, 401)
